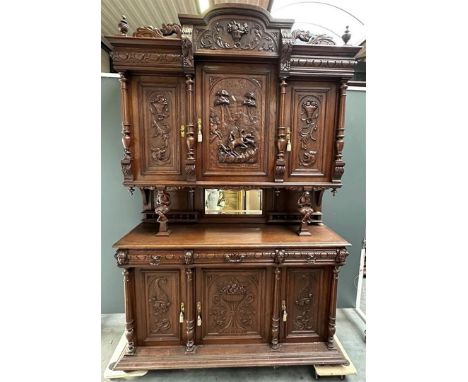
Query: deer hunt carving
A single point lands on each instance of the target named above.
(232, 310)
(234, 122)
(308, 125)
(159, 108)
(237, 35)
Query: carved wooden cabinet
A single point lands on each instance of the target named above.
(229, 102)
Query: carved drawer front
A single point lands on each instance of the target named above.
(312, 123)
(233, 306)
(305, 299)
(236, 104)
(158, 115)
(155, 259)
(158, 299)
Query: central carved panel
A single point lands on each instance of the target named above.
(236, 120)
(234, 304)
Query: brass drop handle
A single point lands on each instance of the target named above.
(283, 308)
(288, 137)
(182, 131)
(182, 312)
(198, 313)
(199, 127)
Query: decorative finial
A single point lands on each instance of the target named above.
(346, 36)
(123, 26)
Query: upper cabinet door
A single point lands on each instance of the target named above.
(237, 107)
(312, 120)
(158, 114)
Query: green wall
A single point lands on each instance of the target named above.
(120, 211)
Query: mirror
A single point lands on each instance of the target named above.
(233, 202)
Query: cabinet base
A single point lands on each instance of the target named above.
(245, 355)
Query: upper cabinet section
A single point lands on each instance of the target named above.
(232, 97)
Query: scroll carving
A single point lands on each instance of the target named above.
(232, 310)
(160, 304)
(234, 122)
(308, 125)
(152, 32)
(160, 148)
(136, 57)
(239, 34)
(312, 39)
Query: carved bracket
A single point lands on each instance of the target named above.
(187, 49)
(287, 42)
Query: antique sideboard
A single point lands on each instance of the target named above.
(232, 130)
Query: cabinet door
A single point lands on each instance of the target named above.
(237, 105)
(158, 114)
(305, 294)
(233, 305)
(158, 298)
(312, 121)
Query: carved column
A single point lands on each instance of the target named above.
(281, 139)
(162, 204)
(275, 320)
(129, 277)
(305, 208)
(189, 317)
(316, 218)
(332, 318)
(190, 161)
(126, 161)
(339, 142)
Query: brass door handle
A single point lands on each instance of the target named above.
(182, 312)
(199, 127)
(182, 131)
(199, 320)
(283, 308)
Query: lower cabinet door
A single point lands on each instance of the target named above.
(233, 306)
(305, 296)
(158, 303)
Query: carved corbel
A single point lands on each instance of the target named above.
(162, 203)
(305, 208)
(287, 42)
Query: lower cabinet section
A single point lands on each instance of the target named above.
(273, 307)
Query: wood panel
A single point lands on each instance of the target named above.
(158, 298)
(158, 112)
(305, 294)
(234, 306)
(236, 105)
(312, 121)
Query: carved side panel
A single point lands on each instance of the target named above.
(235, 123)
(159, 304)
(312, 125)
(234, 306)
(160, 118)
(305, 303)
(237, 34)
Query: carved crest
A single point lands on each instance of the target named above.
(237, 35)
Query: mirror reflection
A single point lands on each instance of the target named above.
(235, 202)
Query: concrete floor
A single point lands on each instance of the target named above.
(350, 331)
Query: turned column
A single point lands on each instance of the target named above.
(162, 204)
(281, 142)
(275, 320)
(129, 279)
(190, 160)
(339, 140)
(126, 161)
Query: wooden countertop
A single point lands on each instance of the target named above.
(228, 236)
